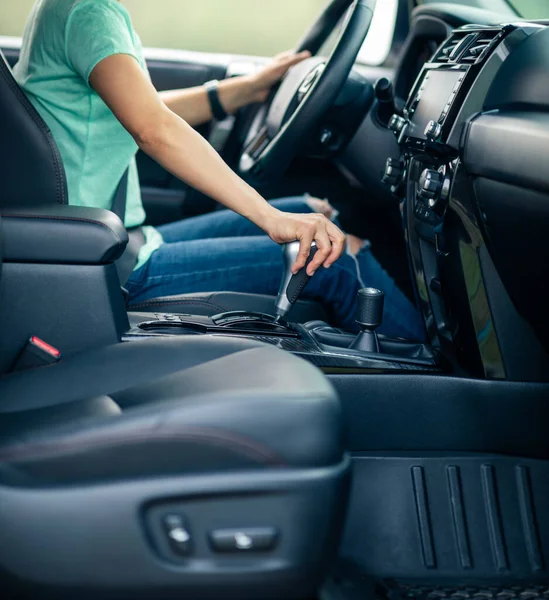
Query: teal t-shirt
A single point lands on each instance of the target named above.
(63, 41)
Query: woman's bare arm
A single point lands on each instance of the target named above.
(168, 139)
(193, 106)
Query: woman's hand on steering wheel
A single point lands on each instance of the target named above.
(306, 228)
(262, 82)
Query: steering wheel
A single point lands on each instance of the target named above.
(309, 89)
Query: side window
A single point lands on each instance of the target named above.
(249, 27)
(378, 44)
(13, 16)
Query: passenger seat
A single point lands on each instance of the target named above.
(199, 468)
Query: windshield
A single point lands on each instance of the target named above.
(531, 9)
(528, 9)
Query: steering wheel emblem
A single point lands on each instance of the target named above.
(309, 81)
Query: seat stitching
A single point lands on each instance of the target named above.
(60, 218)
(40, 123)
(250, 448)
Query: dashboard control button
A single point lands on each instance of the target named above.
(433, 130)
(393, 172)
(430, 185)
(397, 124)
(178, 534)
(261, 539)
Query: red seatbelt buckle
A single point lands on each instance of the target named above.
(36, 353)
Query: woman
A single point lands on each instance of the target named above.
(82, 66)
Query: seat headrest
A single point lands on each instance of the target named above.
(31, 169)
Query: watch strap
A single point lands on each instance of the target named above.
(212, 89)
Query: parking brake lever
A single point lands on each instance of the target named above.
(291, 285)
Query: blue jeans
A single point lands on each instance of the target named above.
(223, 251)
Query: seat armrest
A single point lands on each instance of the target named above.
(62, 234)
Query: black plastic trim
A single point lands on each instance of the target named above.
(510, 147)
(54, 234)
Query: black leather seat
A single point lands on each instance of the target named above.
(166, 406)
(102, 451)
(29, 155)
(98, 451)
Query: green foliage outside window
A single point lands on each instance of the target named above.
(256, 27)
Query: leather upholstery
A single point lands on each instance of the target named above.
(31, 170)
(62, 234)
(213, 303)
(168, 406)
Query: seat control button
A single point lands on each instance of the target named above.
(178, 534)
(244, 540)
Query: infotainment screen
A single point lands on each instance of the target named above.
(436, 92)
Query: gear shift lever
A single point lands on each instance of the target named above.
(369, 315)
(291, 285)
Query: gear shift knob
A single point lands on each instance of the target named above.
(369, 312)
(369, 315)
(291, 285)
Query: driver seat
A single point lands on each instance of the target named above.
(22, 147)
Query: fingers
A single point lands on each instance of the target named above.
(289, 59)
(337, 238)
(283, 55)
(323, 244)
(294, 59)
(306, 238)
(280, 65)
(287, 54)
(329, 239)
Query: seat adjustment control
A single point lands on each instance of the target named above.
(178, 534)
(260, 539)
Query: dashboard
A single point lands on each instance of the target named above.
(467, 157)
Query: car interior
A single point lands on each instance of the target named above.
(197, 446)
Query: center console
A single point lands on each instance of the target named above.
(328, 348)
(467, 312)
(459, 290)
(332, 350)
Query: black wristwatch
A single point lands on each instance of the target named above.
(212, 88)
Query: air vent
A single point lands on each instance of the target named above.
(478, 49)
(465, 47)
(448, 49)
